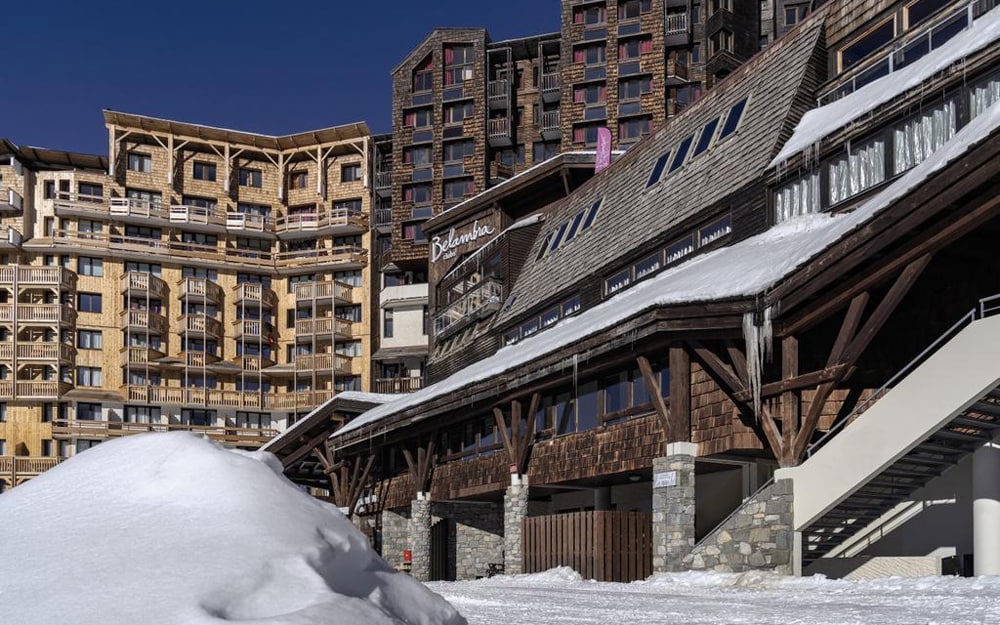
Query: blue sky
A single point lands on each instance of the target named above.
(262, 66)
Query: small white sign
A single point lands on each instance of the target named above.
(662, 480)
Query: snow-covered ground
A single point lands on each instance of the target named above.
(171, 529)
(559, 596)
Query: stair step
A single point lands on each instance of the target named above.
(984, 407)
(894, 472)
(914, 459)
(968, 422)
(891, 483)
(961, 436)
(938, 449)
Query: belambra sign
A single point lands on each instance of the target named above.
(447, 246)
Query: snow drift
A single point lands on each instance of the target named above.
(170, 528)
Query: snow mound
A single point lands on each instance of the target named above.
(553, 576)
(173, 529)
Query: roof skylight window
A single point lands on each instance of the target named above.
(682, 151)
(661, 163)
(733, 119)
(706, 136)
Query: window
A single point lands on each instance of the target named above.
(715, 231)
(631, 9)
(632, 129)
(457, 189)
(89, 339)
(618, 281)
(88, 376)
(88, 192)
(544, 151)
(458, 150)
(3, 448)
(647, 266)
(919, 11)
(156, 270)
(590, 55)
(89, 302)
(417, 193)
(200, 202)
(88, 266)
(140, 162)
(142, 414)
(387, 322)
(696, 53)
(458, 62)
(864, 45)
(585, 134)
(917, 138)
(680, 249)
(423, 76)
(983, 96)
(721, 41)
(733, 119)
(592, 214)
(856, 171)
(49, 190)
(696, 13)
(795, 13)
(634, 48)
(88, 412)
(658, 168)
(251, 177)
(149, 198)
(632, 88)
(557, 240)
(707, 133)
(350, 172)
(298, 179)
(414, 231)
(3, 414)
(197, 417)
(204, 171)
(718, 5)
(419, 118)
(574, 226)
(800, 197)
(417, 155)
(590, 16)
(590, 94)
(458, 113)
(87, 229)
(426, 321)
(681, 154)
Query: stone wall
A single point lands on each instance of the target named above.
(758, 537)
(395, 535)
(515, 509)
(421, 522)
(673, 507)
(475, 537)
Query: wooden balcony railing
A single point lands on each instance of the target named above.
(212, 398)
(144, 320)
(325, 325)
(37, 389)
(299, 400)
(46, 351)
(252, 328)
(38, 313)
(551, 82)
(38, 276)
(255, 293)
(398, 385)
(142, 282)
(340, 254)
(225, 434)
(248, 221)
(142, 355)
(324, 290)
(196, 215)
(133, 207)
(16, 469)
(200, 288)
(201, 324)
(307, 222)
(323, 362)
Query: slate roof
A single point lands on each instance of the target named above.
(633, 215)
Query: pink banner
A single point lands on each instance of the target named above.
(603, 150)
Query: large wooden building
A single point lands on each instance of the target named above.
(722, 352)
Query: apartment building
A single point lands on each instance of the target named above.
(197, 278)
(470, 112)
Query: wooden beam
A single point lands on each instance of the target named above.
(327, 466)
(529, 435)
(653, 388)
(502, 427)
(739, 360)
(679, 415)
(305, 449)
(797, 383)
(714, 364)
(789, 400)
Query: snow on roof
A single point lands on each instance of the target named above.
(301, 424)
(172, 529)
(822, 121)
(740, 270)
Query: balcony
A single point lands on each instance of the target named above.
(323, 362)
(44, 314)
(550, 128)
(45, 352)
(299, 400)
(10, 238)
(252, 328)
(142, 284)
(248, 222)
(677, 72)
(498, 94)
(136, 210)
(200, 325)
(200, 290)
(16, 470)
(33, 389)
(498, 132)
(403, 295)
(82, 204)
(15, 275)
(340, 256)
(144, 320)
(677, 31)
(254, 295)
(197, 218)
(383, 184)
(141, 355)
(333, 222)
(339, 292)
(198, 359)
(383, 220)
(551, 87)
(253, 363)
(485, 298)
(326, 326)
(227, 435)
(398, 385)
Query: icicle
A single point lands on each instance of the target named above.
(758, 342)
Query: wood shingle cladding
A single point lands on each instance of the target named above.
(634, 217)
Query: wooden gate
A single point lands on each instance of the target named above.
(608, 546)
(440, 548)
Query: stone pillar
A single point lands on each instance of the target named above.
(515, 509)
(986, 509)
(673, 506)
(420, 537)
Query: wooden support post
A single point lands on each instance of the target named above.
(789, 400)
(653, 389)
(679, 416)
(504, 437)
(529, 435)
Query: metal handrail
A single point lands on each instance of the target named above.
(984, 309)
